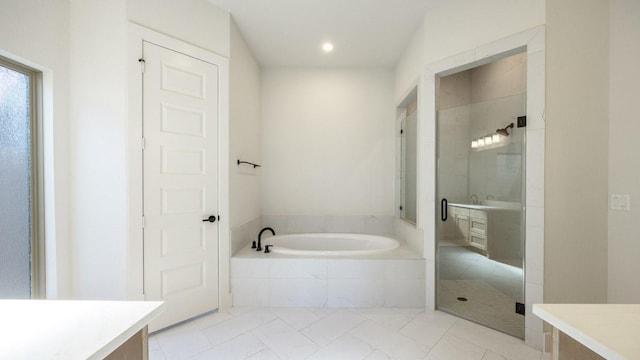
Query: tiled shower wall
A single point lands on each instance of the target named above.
(472, 104)
(244, 234)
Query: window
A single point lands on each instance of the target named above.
(408, 111)
(20, 241)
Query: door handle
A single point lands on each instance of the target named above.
(443, 210)
(211, 218)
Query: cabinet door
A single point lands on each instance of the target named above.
(478, 226)
(478, 241)
(462, 228)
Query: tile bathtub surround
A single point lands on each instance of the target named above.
(321, 333)
(244, 234)
(366, 224)
(259, 279)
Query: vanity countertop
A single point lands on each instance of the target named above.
(53, 329)
(483, 207)
(610, 330)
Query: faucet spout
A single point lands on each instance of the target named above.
(259, 248)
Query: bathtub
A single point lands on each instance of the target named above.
(329, 270)
(330, 244)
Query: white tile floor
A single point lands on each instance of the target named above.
(329, 333)
(491, 287)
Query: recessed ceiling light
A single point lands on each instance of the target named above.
(327, 47)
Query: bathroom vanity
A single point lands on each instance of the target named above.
(592, 331)
(492, 230)
(51, 329)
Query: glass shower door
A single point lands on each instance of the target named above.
(480, 220)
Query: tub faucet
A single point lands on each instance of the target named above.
(474, 199)
(259, 248)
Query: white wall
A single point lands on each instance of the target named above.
(328, 142)
(576, 161)
(244, 132)
(98, 142)
(196, 22)
(459, 25)
(624, 163)
(36, 33)
(410, 65)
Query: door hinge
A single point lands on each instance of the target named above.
(519, 308)
(143, 143)
(522, 121)
(142, 62)
(143, 221)
(401, 131)
(400, 207)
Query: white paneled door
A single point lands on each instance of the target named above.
(180, 162)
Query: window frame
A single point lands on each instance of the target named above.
(38, 266)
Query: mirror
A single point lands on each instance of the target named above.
(408, 115)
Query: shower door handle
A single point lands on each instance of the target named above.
(443, 210)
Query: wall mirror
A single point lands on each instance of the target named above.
(408, 116)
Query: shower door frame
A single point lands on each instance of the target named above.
(532, 41)
(440, 227)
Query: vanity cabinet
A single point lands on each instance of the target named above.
(470, 226)
(478, 229)
(493, 231)
(461, 220)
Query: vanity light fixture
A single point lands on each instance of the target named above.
(487, 142)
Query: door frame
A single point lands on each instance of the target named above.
(38, 243)
(135, 264)
(439, 225)
(533, 41)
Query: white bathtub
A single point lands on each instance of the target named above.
(330, 244)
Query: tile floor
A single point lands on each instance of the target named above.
(330, 333)
(463, 263)
(491, 288)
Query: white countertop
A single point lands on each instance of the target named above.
(485, 207)
(610, 330)
(50, 329)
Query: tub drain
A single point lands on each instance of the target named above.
(462, 298)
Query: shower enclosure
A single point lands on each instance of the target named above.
(480, 186)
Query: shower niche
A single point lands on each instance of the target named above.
(480, 115)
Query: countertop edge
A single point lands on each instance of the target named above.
(132, 330)
(591, 343)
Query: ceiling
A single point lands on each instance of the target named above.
(289, 33)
